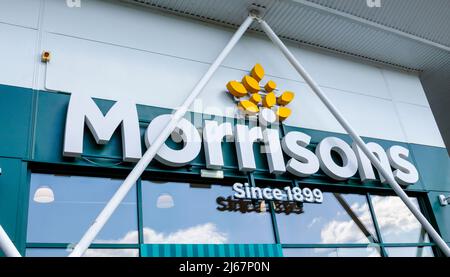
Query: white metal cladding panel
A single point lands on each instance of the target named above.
(419, 125)
(92, 59)
(86, 67)
(17, 55)
(405, 87)
(165, 34)
(136, 28)
(20, 12)
(183, 38)
(112, 72)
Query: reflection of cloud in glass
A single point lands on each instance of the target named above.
(347, 252)
(165, 201)
(314, 221)
(111, 253)
(393, 218)
(396, 222)
(203, 233)
(331, 252)
(347, 231)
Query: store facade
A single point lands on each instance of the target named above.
(60, 163)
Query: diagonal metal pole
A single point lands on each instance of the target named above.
(7, 245)
(139, 168)
(356, 138)
(355, 218)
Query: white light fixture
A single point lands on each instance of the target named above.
(44, 194)
(216, 174)
(165, 201)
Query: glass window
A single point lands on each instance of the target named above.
(62, 252)
(397, 223)
(47, 252)
(341, 218)
(194, 213)
(61, 209)
(422, 251)
(111, 253)
(332, 252)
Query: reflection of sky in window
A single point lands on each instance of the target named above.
(180, 213)
(193, 216)
(331, 252)
(78, 201)
(47, 252)
(328, 222)
(62, 252)
(397, 223)
(409, 251)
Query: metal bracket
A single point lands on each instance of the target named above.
(443, 200)
(256, 10)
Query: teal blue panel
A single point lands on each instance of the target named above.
(211, 250)
(50, 133)
(433, 164)
(14, 200)
(178, 250)
(441, 214)
(15, 121)
(51, 117)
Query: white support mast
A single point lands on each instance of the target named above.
(356, 138)
(7, 245)
(140, 167)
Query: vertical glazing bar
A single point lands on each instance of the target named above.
(376, 226)
(140, 220)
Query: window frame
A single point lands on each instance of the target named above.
(119, 171)
(81, 172)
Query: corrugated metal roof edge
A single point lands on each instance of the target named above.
(254, 30)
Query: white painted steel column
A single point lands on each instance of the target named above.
(7, 245)
(356, 138)
(139, 168)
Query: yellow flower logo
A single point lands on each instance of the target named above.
(251, 96)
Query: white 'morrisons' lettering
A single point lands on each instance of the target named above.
(365, 167)
(303, 162)
(329, 166)
(405, 173)
(213, 135)
(244, 139)
(273, 151)
(82, 109)
(185, 131)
